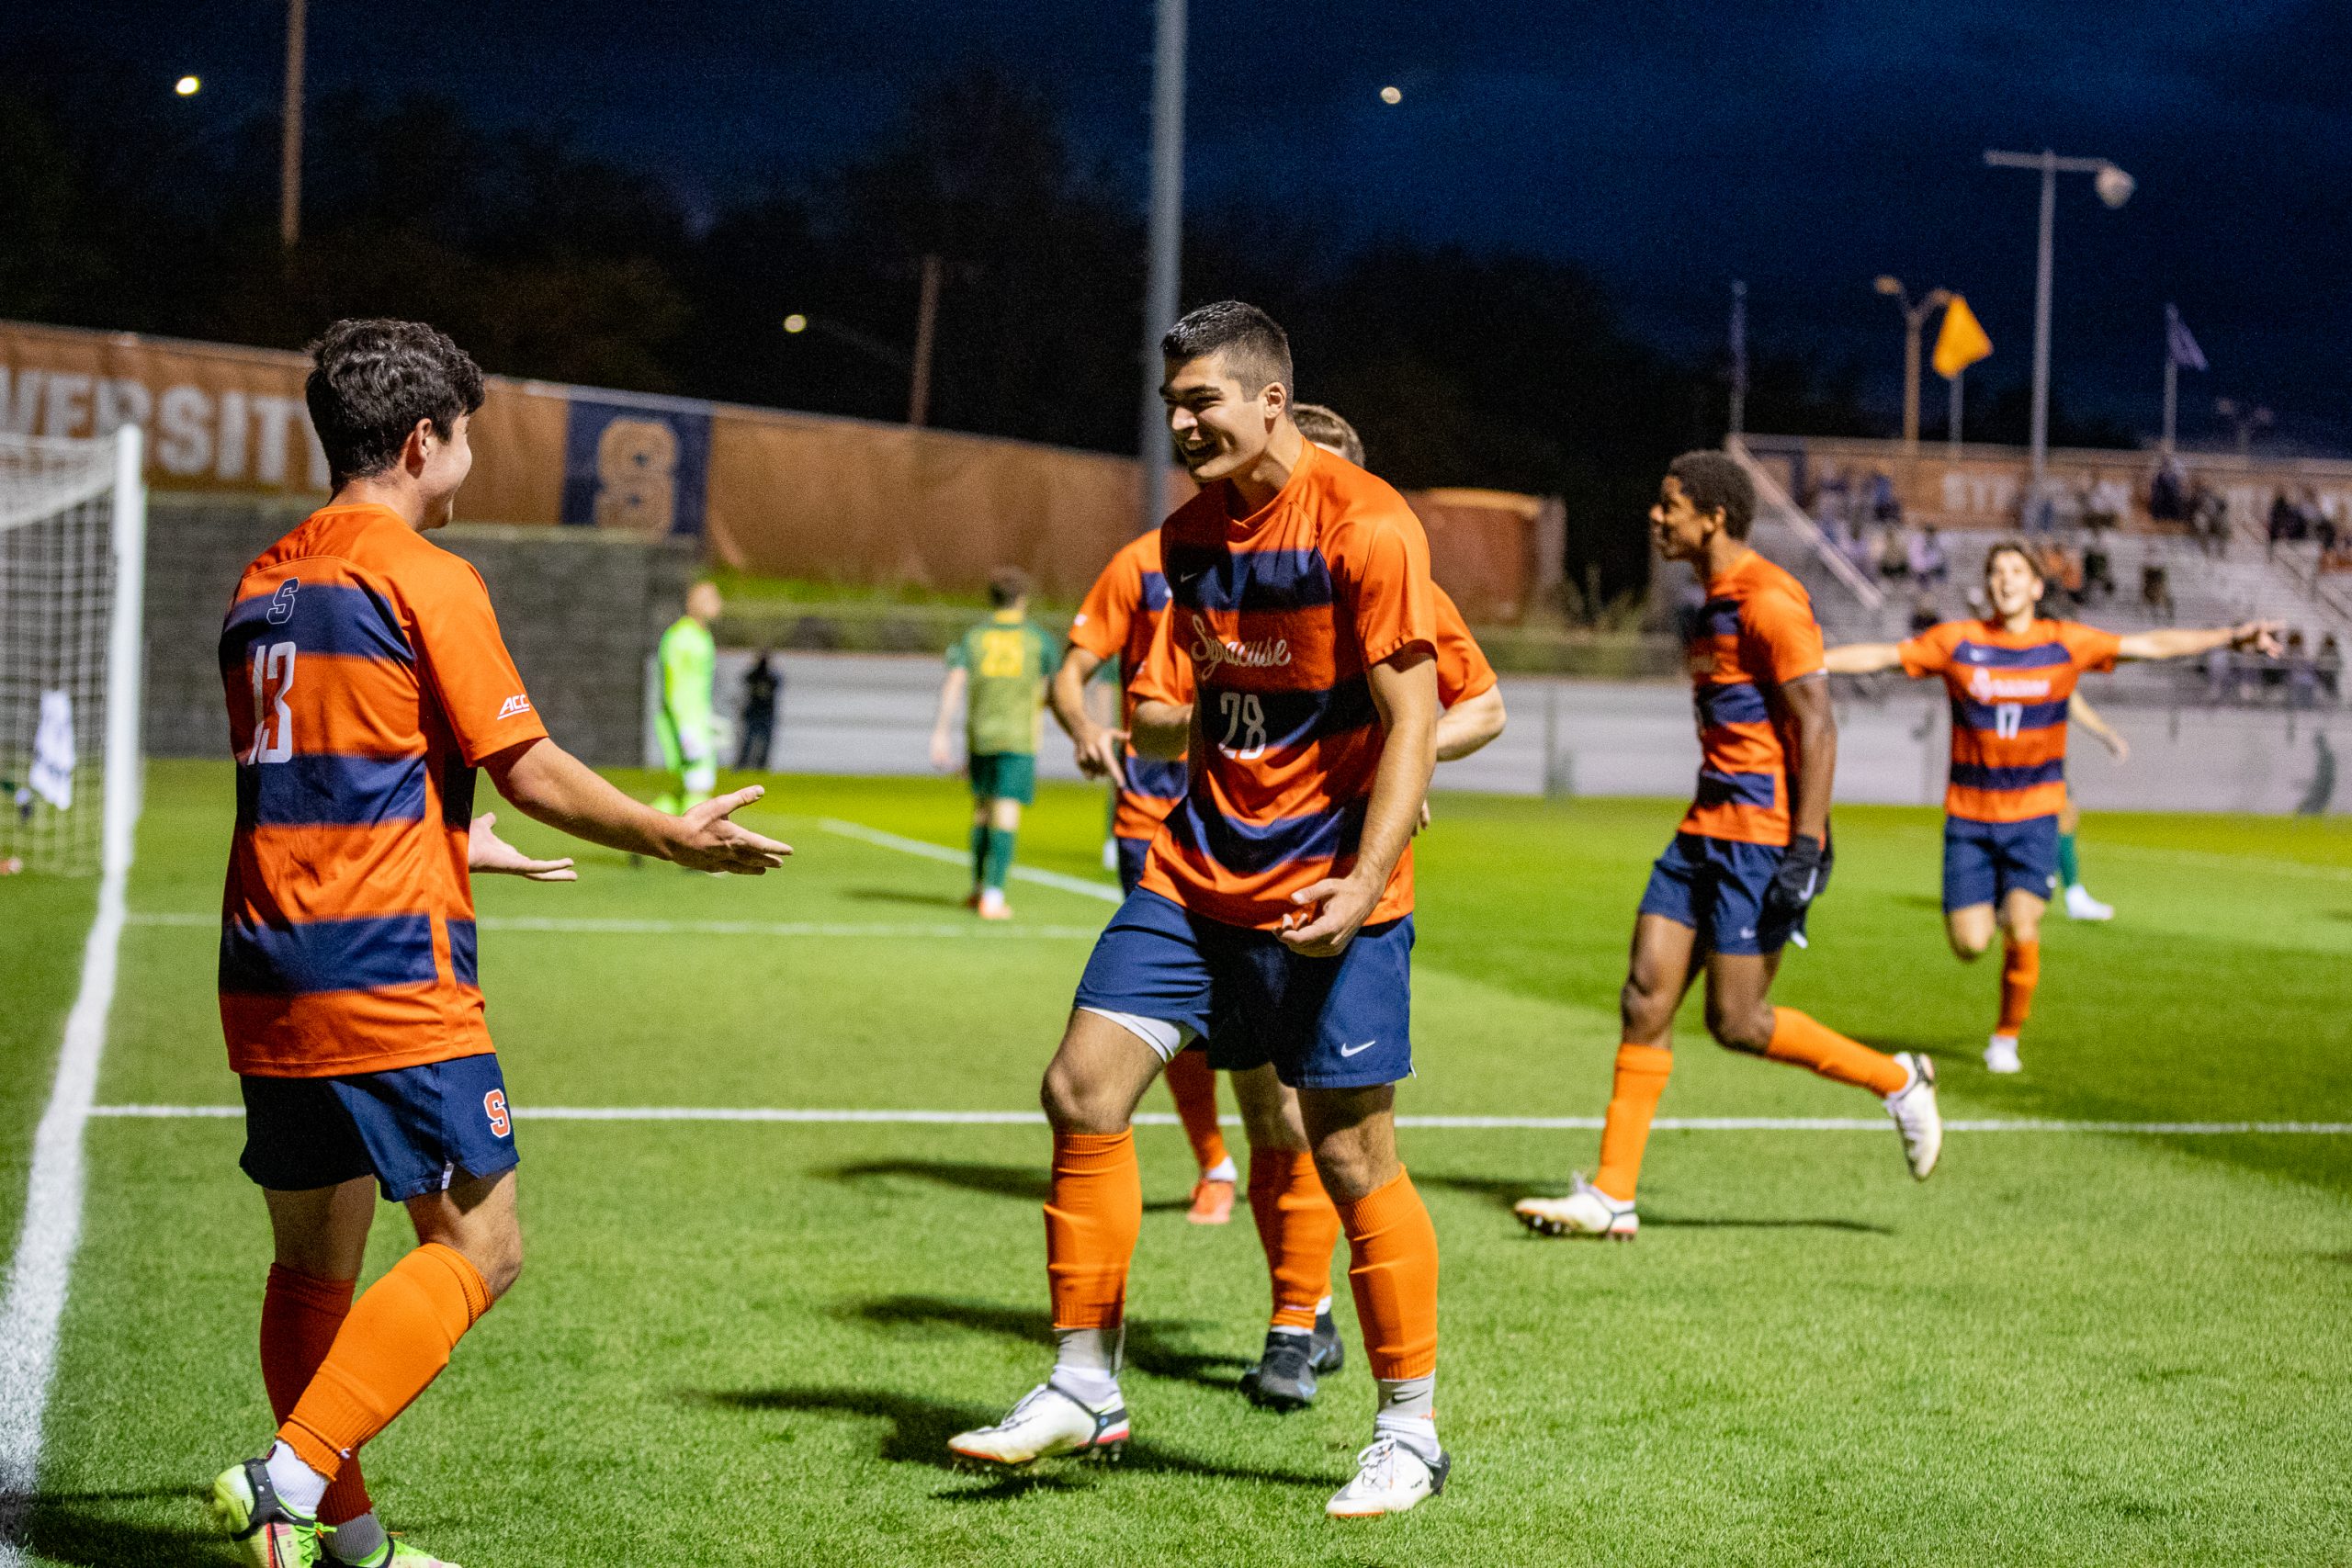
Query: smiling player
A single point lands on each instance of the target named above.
(2012, 677)
(1751, 855)
(1274, 915)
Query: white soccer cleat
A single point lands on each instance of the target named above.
(2001, 1055)
(992, 906)
(1584, 1211)
(2081, 906)
(1048, 1423)
(1915, 1117)
(1389, 1479)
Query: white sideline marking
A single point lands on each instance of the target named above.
(1108, 893)
(622, 927)
(1457, 1124)
(52, 1224)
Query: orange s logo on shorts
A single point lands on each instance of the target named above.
(493, 1105)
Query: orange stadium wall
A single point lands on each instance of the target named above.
(801, 495)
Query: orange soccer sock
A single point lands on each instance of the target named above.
(1640, 1077)
(1298, 1227)
(1796, 1038)
(1192, 1083)
(299, 1315)
(1093, 1217)
(1392, 1267)
(2020, 972)
(396, 1340)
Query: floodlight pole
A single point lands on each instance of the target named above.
(1166, 237)
(926, 333)
(1738, 421)
(289, 143)
(2051, 167)
(1915, 321)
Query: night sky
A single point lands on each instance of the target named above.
(1803, 147)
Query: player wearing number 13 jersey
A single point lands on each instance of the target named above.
(366, 681)
(2011, 676)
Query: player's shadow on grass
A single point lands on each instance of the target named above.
(1503, 1192)
(1027, 1183)
(919, 1428)
(1152, 1349)
(65, 1527)
(901, 895)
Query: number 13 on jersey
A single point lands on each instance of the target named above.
(272, 673)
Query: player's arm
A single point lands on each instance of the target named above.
(1816, 762)
(1165, 695)
(1403, 689)
(1469, 724)
(549, 784)
(2079, 710)
(1864, 658)
(2180, 642)
(1097, 745)
(943, 728)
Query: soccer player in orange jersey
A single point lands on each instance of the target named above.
(1274, 918)
(1751, 854)
(367, 683)
(2011, 676)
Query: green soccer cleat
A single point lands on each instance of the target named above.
(268, 1534)
(392, 1553)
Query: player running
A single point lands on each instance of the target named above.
(689, 733)
(999, 665)
(2011, 676)
(1275, 916)
(1749, 858)
(1114, 628)
(366, 681)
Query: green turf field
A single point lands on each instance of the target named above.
(744, 1343)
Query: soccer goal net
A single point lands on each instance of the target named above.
(72, 546)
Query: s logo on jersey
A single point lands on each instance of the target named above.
(281, 605)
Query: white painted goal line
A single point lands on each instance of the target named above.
(910, 1118)
(1107, 892)
(966, 929)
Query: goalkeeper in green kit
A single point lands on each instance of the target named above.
(689, 662)
(999, 669)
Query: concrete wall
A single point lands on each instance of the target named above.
(581, 608)
(872, 714)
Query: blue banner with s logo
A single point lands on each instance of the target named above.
(640, 467)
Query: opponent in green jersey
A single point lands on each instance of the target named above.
(689, 661)
(999, 671)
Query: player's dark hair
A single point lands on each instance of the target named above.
(2017, 548)
(1256, 351)
(370, 382)
(1323, 426)
(1007, 583)
(1714, 482)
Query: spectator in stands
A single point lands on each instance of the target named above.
(2099, 572)
(2038, 509)
(2169, 492)
(2061, 568)
(1884, 506)
(2328, 667)
(1924, 554)
(2156, 591)
(1854, 544)
(2209, 518)
(761, 683)
(1887, 547)
(2323, 525)
(1924, 613)
(2286, 522)
(2104, 503)
(2302, 676)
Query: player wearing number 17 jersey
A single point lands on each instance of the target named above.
(2011, 676)
(367, 681)
(1751, 855)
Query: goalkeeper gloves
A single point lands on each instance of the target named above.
(1804, 872)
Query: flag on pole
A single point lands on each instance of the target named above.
(2179, 344)
(1962, 343)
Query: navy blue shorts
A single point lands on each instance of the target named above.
(1132, 854)
(1716, 887)
(1343, 1022)
(414, 1129)
(1985, 861)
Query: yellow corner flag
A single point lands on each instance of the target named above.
(1963, 341)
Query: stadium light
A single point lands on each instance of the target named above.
(2114, 188)
(1392, 94)
(188, 86)
(796, 323)
(1914, 317)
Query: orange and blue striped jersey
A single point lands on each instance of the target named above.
(1276, 620)
(1755, 634)
(365, 678)
(1116, 621)
(2009, 709)
(1462, 669)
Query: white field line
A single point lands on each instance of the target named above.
(35, 1302)
(595, 927)
(909, 1118)
(1105, 891)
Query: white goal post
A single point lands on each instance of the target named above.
(72, 575)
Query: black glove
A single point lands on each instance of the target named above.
(1804, 872)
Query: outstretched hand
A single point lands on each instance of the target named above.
(486, 851)
(703, 839)
(2260, 636)
(1102, 754)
